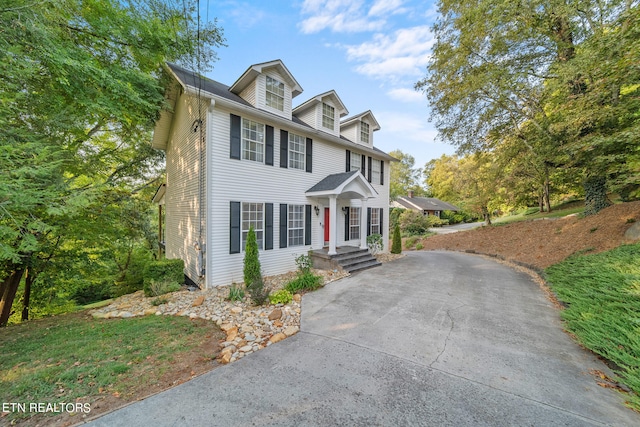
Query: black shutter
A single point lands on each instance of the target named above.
(363, 164)
(234, 223)
(307, 224)
(235, 137)
(268, 226)
(369, 170)
(284, 149)
(369, 218)
(348, 161)
(381, 172)
(380, 215)
(284, 235)
(346, 224)
(268, 155)
(309, 153)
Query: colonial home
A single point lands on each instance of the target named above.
(426, 205)
(304, 177)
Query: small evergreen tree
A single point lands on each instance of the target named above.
(252, 274)
(396, 246)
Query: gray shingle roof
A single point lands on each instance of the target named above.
(426, 203)
(331, 182)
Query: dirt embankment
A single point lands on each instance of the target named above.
(541, 243)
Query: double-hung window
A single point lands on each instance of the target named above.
(375, 171)
(375, 221)
(328, 116)
(364, 132)
(356, 161)
(296, 225)
(275, 94)
(252, 140)
(354, 223)
(296, 151)
(253, 215)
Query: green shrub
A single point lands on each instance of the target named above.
(374, 242)
(163, 272)
(396, 246)
(236, 293)
(410, 242)
(282, 296)
(252, 272)
(87, 292)
(419, 246)
(161, 287)
(304, 263)
(394, 215)
(159, 301)
(304, 282)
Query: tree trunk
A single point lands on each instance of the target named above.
(10, 287)
(547, 191)
(541, 202)
(28, 281)
(486, 215)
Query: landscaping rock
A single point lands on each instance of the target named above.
(277, 337)
(236, 310)
(633, 233)
(275, 314)
(198, 301)
(291, 330)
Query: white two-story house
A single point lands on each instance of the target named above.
(242, 155)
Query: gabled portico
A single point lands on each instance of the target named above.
(339, 190)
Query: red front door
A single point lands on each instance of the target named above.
(326, 224)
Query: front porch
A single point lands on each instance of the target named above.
(349, 258)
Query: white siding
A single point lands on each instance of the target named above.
(183, 185)
(350, 132)
(248, 181)
(249, 93)
(310, 116)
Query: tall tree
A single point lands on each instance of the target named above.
(80, 90)
(405, 176)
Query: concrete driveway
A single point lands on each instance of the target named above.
(433, 339)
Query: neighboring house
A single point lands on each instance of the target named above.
(426, 205)
(241, 155)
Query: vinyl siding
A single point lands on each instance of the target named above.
(183, 177)
(249, 94)
(310, 117)
(248, 181)
(350, 132)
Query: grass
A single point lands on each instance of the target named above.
(602, 292)
(526, 217)
(73, 357)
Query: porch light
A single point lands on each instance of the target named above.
(345, 209)
(317, 209)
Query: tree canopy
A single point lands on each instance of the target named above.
(81, 88)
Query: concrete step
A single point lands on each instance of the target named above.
(363, 265)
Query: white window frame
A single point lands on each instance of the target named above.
(354, 223)
(274, 94)
(364, 132)
(252, 214)
(295, 228)
(297, 151)
(328, 116)
(356, 161)
(252, 140)
(376, 169)
(375, 221)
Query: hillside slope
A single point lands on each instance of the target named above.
(541, 243)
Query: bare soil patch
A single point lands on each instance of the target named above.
(541, 243)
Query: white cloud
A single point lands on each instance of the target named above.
(346, 16)
(406, 52)
(411, 127)
(406, 95)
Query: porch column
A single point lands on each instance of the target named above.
(363, 224)
(333, 206)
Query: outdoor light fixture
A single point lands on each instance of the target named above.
(317, 209)
(345, 209)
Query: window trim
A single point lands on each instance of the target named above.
(375, 174)
(259, 144)
(270, 94)
(354, 222)
(358, 160)
(295, 210)
(364, 134)
(249, 222)
(302, 143)
(375, 213)
(328, 117)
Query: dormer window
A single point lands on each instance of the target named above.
(275, 94)
(364, 132)
(328, 116)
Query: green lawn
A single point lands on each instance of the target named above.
(73, 357)
(526, 217)
(602, 294)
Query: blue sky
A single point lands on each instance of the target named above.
(370, 52)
